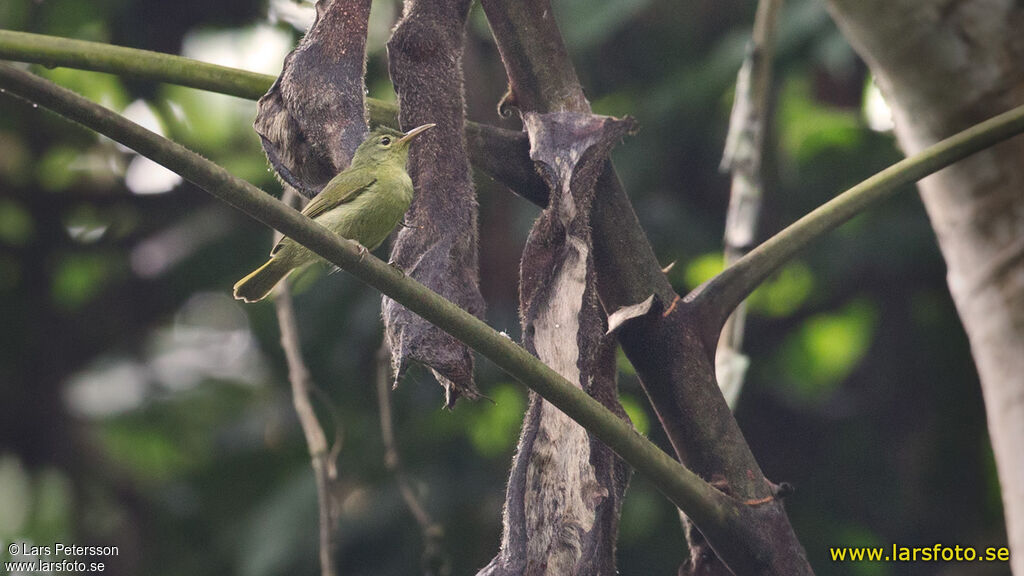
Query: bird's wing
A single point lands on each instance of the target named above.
(343, 188)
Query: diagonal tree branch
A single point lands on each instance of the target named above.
(716, 513)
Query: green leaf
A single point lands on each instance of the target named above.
(15, 496)
(16, 225)
(14, 14)
(641, 512)
(636, 412)
(624, 365)
(106, 89)
(53, 505)
(778, 296)
(785, 292)
(494, 429)
(99, 167)
(703, 268)
(78, 278)
(807, 128)
(149, 453)
(826, 349)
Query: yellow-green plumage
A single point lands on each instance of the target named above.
(364, 203)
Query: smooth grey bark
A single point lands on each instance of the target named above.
(943, 65)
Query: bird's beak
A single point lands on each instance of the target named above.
(415, 132)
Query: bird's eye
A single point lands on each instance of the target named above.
(386, 140)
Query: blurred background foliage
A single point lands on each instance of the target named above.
(144, 408)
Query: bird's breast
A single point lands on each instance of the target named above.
(372, 215)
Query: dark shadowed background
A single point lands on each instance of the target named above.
(142, 407)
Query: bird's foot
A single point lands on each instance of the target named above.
(395, 265)
(362, 251)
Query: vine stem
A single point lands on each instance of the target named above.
(724, 292)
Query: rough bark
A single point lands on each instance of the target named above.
(944, 65)
(313, 117)
(673, 353)
(439, 245)
(566, 488)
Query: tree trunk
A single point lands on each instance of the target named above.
(944, 65)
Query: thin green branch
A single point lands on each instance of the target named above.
(53, 51)
(707, 506)
(720, 295)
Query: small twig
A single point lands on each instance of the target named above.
(435, 560)
(323, 459)
(744, 152)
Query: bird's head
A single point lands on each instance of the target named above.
(385, 144)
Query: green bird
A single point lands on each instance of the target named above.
(364, 203)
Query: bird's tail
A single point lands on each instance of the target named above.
(261, 281)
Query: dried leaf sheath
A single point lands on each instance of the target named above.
(564, 494)
(439, 248)
(313, 117)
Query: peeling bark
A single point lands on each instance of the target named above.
(743, 159)
(673, 354)
(314, 116)
(565, 491)
(439, 247)
(943, 66)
